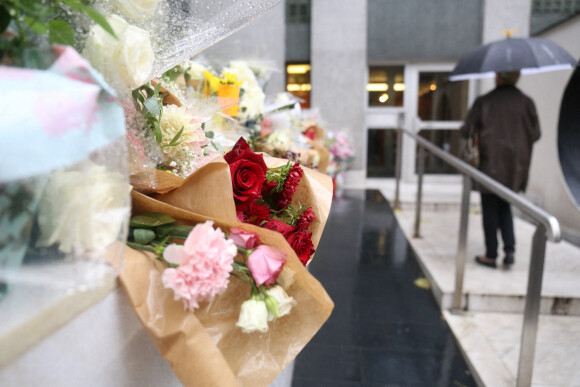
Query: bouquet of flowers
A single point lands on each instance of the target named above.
(263, 197)
(199, 270)
(246, 278)
(64, 195)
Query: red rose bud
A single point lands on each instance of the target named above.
(238, 149)
(284, 198)
(305, 220)
(301, 243)
(281, 227)
(248, 177)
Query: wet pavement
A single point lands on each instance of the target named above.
(384, 330)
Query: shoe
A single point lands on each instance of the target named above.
(485, 262)
(508, 259)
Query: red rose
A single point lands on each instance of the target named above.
(301, 242)
(239, 148)
(248, 171)
(281, 227)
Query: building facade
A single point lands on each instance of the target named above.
(372, 66)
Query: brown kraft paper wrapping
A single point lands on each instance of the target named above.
(206, 348)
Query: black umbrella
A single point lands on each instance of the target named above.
(528, 55)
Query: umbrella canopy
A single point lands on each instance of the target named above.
(528, 55)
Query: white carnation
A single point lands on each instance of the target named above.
(172, 120)
(83, 209)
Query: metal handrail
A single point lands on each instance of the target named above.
(550, 222)
(548, 226)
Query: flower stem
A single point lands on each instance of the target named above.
(141, 247)
(243, 279)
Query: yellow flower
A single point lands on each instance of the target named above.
(230, 79)
(210, 84)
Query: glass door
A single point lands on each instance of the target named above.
(436, 109)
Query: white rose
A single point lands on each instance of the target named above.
(285, 302)
(126, 61)
(172, 120)
(253, 316)
(137, 9)
(83, 209)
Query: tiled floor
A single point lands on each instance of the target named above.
(385, 330)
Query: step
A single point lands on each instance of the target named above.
(486, 289)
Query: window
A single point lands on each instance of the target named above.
(298, 82)
(298, 11)
(555, 6)
(441, 100)
(382, 152)
(448, 140)
(386, 86)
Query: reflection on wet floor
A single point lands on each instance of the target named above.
(384, 330)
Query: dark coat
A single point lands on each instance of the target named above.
(507, 124)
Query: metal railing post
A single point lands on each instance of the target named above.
(462, 245)
(532, 308)
(398, 169)
(420, 171)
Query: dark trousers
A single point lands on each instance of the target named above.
(497, 214)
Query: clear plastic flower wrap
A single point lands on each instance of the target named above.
(64, 192)
(156, 35)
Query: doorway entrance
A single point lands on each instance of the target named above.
(431, 106)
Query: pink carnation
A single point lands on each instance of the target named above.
(205, 262)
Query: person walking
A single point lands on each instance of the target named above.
(506, 124)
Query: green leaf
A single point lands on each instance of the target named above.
(35, 25)
(94, 15)
(60, 32)
(4, 18)
(151, 219)
(157, 132)
(34, 8)
(217, 146)
(209, 134)
(152, 105)
(174, 231)
(143, 236)
(100, 20)
(174, 141)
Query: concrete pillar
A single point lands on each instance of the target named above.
(339, 66)
(500, 15)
